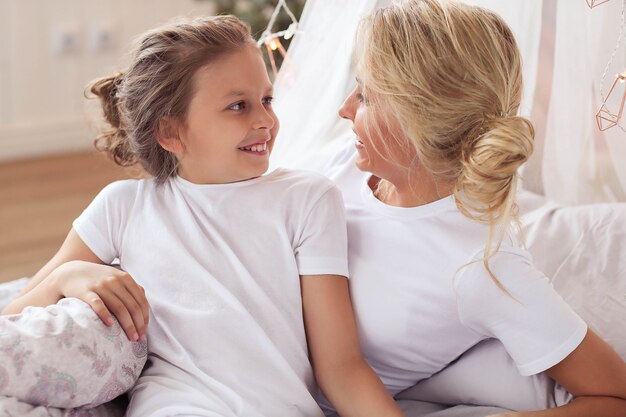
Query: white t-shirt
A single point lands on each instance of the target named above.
(220, 265)
(420, 303)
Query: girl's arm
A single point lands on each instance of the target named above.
(75, 271)
(73, 248)
(342, 373)
(595, 375)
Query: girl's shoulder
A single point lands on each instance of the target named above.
(124, 187)
(124, 192)
(299, 179)
(302, 188)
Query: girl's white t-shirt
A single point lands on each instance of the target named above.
(421, 301)
(220, 265)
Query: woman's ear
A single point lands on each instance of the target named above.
(168, 135)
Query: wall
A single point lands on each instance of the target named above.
(49, 51)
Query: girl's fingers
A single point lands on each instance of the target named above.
(134, 309)
(99, 307)
(139, 295)
(118, 308)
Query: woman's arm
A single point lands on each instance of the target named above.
(75, 271)
(342, 373)
(595, 375)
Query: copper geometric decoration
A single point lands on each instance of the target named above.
(605, 118)
(594, 3)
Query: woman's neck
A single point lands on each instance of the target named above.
(410, 190)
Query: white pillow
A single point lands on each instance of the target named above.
(486, 375)
(582, 249)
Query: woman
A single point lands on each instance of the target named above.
(430, 200)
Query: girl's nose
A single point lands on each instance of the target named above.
(264, 119)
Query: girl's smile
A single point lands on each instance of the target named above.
(230, 127)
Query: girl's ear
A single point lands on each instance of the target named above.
(168, 135)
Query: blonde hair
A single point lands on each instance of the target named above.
(159, 84)
(451, 75)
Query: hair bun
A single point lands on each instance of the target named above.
(490, 162)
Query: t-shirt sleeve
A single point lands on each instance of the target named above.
(535, 325)
(323, 244)
(100, 225)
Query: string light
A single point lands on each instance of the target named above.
(594, 3)
(271, 40)
(273, 45)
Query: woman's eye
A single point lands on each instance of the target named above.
(238, 106)
(361, 98)
(268, 100)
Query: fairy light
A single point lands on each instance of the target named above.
(271, 39)
(594, 3)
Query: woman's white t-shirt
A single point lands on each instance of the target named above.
(220, 265)
(421, 301)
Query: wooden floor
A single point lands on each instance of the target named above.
(39, 199)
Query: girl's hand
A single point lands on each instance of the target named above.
(109, 291)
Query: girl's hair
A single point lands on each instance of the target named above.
(159, 84)
(451, 75)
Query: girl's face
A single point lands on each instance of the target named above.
(230, 127)
(376, 137)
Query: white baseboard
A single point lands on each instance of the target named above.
(22, 142)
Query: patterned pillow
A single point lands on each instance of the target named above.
(64, 356)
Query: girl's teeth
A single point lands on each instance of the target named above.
(255, 148)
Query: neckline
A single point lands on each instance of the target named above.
(425, 210)
(192, 185)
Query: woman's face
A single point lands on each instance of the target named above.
(378, 138)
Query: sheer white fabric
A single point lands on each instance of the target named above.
(565, 47)
(313, 83)
(580, 163)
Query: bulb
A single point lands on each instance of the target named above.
(274, 44)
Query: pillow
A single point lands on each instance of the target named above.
(582, 249)
(13, 407)
(65, 356)
(10, 290)
(486, 375)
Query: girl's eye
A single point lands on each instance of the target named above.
(268, 100)
(237, 106)
(361, 98)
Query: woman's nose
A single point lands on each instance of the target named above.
(346, 111)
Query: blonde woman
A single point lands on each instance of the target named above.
(429, 188)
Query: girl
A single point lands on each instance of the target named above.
(230, 259)
(429, 189)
